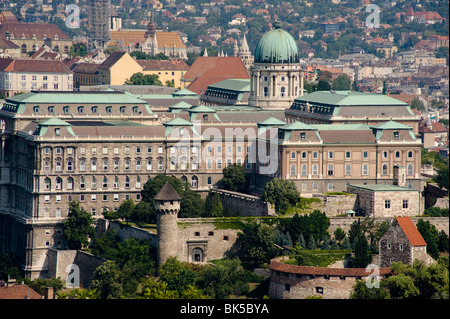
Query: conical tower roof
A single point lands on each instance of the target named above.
(167, 192)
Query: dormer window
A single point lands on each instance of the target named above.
(302, 135)
(11, 36)
(23, 36)
(56, 37)
(57, 131)
(51, 110)
(34, 36)
(36, 110)
(45, 37)
(396, 135)
(205, 117)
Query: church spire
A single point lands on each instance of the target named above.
(205, 53)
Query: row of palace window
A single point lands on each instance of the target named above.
(348, 154)
(105, 165)
(95, 183)
(105, 182)
(348, 169)
(81, 109)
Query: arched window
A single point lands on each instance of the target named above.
(283, 91)
(385, 169)
(94, 182)
(116, 182)
(70, 165)
(105, 182)
(194, 181)
(58, 165)
(197, 255)
(149, 165)
(410, 169)
(266, 91)
(47, 184)
(127, 182)
(138, 182)
(315, 169)
(24, 48)
(70, 183)
(58, 184)
(105, 164)
(293, 170)
(304, 170)
(82, 165)
(82, 183)
(209, 180)
(47, 165)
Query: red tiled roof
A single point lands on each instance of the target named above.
(411, 231)
(323, 271)
(209, 70)
(30, 29)
(162, 65)
(18, 292)
(38, 66)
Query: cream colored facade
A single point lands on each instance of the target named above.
(119, 72)
(173, 76)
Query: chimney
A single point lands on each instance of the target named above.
(49, 293)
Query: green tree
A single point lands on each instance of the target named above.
(106, 281)
(339, 234)
(417, 104)
(234, 178)
(311, 243)
(192, 205)
(126, 209)
(217, 208)
(256, 242)
(78, 227)
(176, 274)
(224, 279)
(141, 79)
(362, 256)
(442, 177)
(341, 83)
(430, 235)
(323, 85)
(143, 213)
(301, 241)
(281, 193)
(346, 244)
(78, 49)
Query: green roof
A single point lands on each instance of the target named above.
(54, 122)
(383, 188)
(237, 85)
(184, 92)
(178, 122)
(391, 125)
(300, 126)
(201, 109)
(350, 98)
(271, 121)
(340, 127)
(277, 46)
(76, 97)
(181, 105)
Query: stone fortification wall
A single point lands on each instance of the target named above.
(334, 205)
(246, 205)
(60, 261)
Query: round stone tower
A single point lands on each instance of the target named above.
(167, 205)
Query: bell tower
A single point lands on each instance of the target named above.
(167, 206)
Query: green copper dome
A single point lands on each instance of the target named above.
(277, 46)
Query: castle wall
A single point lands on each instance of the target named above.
(201, 236)
(247, 205)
